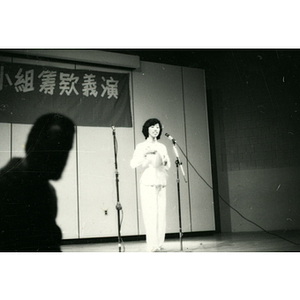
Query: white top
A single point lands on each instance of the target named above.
(156, 165)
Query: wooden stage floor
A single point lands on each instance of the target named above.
(217, 242)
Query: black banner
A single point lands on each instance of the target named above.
(89, 98)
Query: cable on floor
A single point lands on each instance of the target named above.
(266, 231)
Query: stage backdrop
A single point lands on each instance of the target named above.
(87, 189)
(90, 98)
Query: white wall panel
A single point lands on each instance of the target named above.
(66, 190)
(198, 150)
(97, 184)
(4, 143)
(127, 184)
(19, 138)
(157, 92)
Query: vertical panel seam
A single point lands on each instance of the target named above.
(134, 145)
(186, 148)
(11, 133)
(77, 183)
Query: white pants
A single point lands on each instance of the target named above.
(153, 200)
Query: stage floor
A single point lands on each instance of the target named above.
(221, 242)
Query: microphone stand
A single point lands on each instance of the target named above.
(178, 163)
(118, 205)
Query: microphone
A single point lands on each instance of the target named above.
(170, 138)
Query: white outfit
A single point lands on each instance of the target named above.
(153, 190)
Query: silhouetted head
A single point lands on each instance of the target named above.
(48, 145)
(149, 123)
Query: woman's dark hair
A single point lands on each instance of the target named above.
(149, 123)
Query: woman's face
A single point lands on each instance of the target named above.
(154, 131)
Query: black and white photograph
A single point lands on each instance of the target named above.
(176, 163)
(150, 150)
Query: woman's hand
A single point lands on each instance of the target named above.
(149, 151)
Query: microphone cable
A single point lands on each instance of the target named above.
(266, 231)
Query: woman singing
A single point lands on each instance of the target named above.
(153, 156)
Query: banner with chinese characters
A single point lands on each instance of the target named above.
(89, 98)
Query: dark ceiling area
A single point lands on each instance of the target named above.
(194, 58)
(252, 67)
(209, 58)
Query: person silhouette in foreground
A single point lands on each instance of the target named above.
(28, 203)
